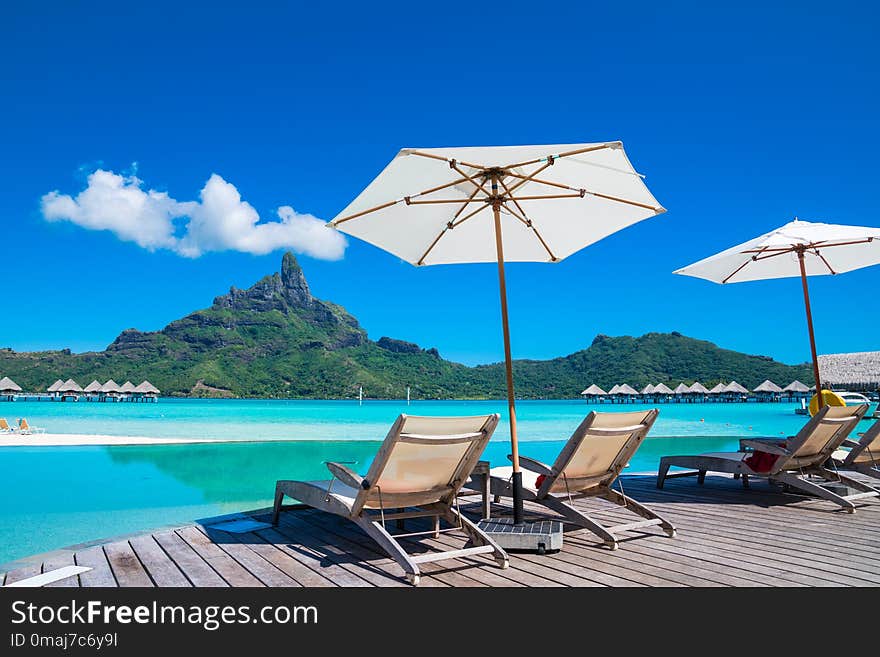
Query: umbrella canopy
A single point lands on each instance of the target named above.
(110, 386)
(594, 390)
(799, 248)
(8, 385)
(94, 386)
(491, 204)
(796, 386)
(128, 386)
(626, 389)
(680, 389)
(70, 386)
(662, 389)
(768, 386)
(54, 387)
(648, 390)
(717, 389)
(734, 387)
(699, 388)
(146, 388)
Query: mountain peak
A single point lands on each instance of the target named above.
(289, 289)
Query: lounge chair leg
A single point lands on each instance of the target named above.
(276, 509)
(581, 519)
(701, 477)
(814, 489)
(436, 533)
(745, 479)
(830, 475)
(386, 541)
(662, 472)
(639, 509)
(476, 535)
(400, 521)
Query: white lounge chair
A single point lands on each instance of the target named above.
(5, 428)
(588, 466)
(26, 429)
(798, 457)
(863, 455)
(422, 465)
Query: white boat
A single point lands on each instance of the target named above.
(851, 399)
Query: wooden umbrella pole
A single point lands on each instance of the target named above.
(800, 253)
(508, 364)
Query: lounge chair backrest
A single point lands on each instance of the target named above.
(424, 460)
(824, 433)
(598, 450)
(23, 424)
(868, 450)
(4, 425)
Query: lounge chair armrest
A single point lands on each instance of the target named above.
(743, 442)
(532, 465)
(849, 442)
(345, 474)
(765, 446)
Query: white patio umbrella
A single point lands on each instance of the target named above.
(799, 248)
(495, 204)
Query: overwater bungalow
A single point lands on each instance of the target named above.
(8, 388)
(697, 392)
(627, 394)
(662, 392)
(126, 389)
(734, 392)
(146, 391)
(594, 394)
(795, 391)
(111, 390)
(717, 391)
(53, 389)
(647, 393)
(70, 389)
(93, 389)
(767, 392)
(679, 393)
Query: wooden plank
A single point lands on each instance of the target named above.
(100, 574)
(23, 572)
(228, 568)
(161, 569)
(125, 565)
(237, 546)
(195, 569)
(278, 557)
(60, 560)
(49, 577)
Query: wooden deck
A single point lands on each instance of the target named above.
(727, 536)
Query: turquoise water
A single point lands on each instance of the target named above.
(57, 496)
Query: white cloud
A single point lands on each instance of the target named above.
(219, 221)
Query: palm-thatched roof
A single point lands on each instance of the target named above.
(680, 389)
(147, 388)
(110, 386)
(648, 390)
(662, 389)
(594, 390)
(626, 389)
(70, 386)
(733, 386)
(614, 390)
(796, 386)
(8, 385)
(768, 386)
(128, 386)
(94, 386)
(54, 387)
(718, 389)
(699, 388)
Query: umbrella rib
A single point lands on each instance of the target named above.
(465, 205)
(407, 199)
(529, 224)
(822, 258)
(740, 268)
(456, 224)
(565, 154)
(525, 179)
(446, 159)
(449, 226)
(582, 192)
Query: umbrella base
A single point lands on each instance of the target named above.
(541, 536)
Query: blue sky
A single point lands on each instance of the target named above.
(741, 117)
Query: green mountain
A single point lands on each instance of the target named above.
(276, 340)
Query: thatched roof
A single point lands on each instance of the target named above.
(94, 386)
(110, 386)
(796, 386)
(128, 386)
(592, 390)
(626, 389)
(614, 390)
(733, 386)
(699, 388)
(662, 389)
(8, 385)
(70, 386)
(54, 387)
(147, 388)
(718, 389)
(648, 390)
(768, 386)
(680, 389)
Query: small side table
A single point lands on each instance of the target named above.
(480, 479)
